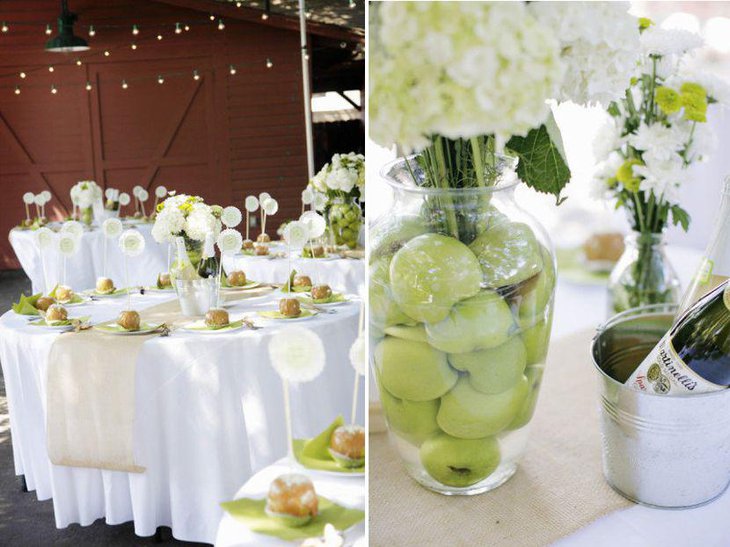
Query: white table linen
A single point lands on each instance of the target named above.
(342, 274)
(345, 490)
(87, 264)
(208, 414)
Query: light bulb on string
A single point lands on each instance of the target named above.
(196, 75)
(107, 53)
(269, 63)
(4, 27)
(135, 30)
(17, 90)
(133, 46)
(238, 4)
(92, 31)
(23, 75)
(178, 29)
(232, 70)
(51, 69)
(160, 79)
(48, 30)
(78, 62)
(221, 26)
(88, 85)
(53, 89)
(187, 28)
(212, 17)
(352, 4)
(264, 16)
(124, 84)
(306, 56)
(159, 36)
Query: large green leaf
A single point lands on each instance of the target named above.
(542, 165)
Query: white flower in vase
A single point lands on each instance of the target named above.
(659, 41)
(662, 174)
(661, 141)
(201, 222)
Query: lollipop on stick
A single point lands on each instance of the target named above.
(143, 195)
(132, 244)
(44, 239)
(307, 197)
(28, 200)
(124, 199)
(229, 242)
(268, 208)
(263, 196)
(251, 204)
(160, 192)
(111, 228)
(46, 198)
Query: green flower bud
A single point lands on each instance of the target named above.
(668, 100)
(625, 175)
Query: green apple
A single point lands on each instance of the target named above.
(508, 254)
(383, 309)
(469, 414)
(459, 462)
(535, 293)
(493, 370)
(386, 238)
(413, 370)
(415, 421)
(480, 322)
(431, 273)
(536, 339)
(416, 333)
(534, 378)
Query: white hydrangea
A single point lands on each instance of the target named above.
(660, 41)
(85, 193)
(459, 69)
(168, 223)
(343, 173)
(200, 222)
(600, 47)
(659, 140)
(661, 174)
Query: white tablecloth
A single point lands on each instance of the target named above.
(347, 491)
(87, 264)
(209, 414)
(342, 274)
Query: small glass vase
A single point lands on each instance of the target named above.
(194, 250)
(344, 218)
(461, 297)
(643, 275)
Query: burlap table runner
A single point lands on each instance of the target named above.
(91, 393)
(558, 488)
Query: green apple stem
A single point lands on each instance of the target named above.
(354, 398)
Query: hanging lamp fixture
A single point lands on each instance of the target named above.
(66, 40)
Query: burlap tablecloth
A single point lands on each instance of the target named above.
(558, 488)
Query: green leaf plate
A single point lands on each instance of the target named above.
(334, 300)
(314, 454)
(113, 328)
(275, 314)
(200, 326)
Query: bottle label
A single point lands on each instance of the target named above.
(663, 372)
(705, 271)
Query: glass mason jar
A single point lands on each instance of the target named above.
(194, 249)
(643, 275)
(87, 215)
(461, 300)
(344, 218)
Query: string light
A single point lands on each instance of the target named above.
(343, 45)
(107, 53)
(221, 26)
(238, 4)
(178, 30)
(5, 27)
(92, 31)
(269, 63)
(264, 16)
(231, 70)
(133, 46)
(212, 17)
(135, 30)
(51, 69)
(23, 75)
(53, 89)
(306, 56)
(187, 28)
(48, 30)
(17, 90)
(352, 4)
(88, 85)
(78, 62)
(160, 79)
(196, 76)
(159, 36)
(124, 84)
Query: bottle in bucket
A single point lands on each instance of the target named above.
(694, 356)
(715, 265)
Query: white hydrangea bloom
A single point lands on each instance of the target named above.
(200, 222)
(84, 193)
(660, 41)
(661, 174)
(459, 69)
(600, 47)
(661, 141)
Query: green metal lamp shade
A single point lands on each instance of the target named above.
(66, 41)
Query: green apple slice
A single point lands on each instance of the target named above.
(508, 254)
(535, 293)
(493, 370)
(459, 462)
(415, 421)
(468, 414)
(534, 378)
(430, 274)
(536, 339)
(387, 238)
(481, 322)
(384, 312)
(413, 370)
(416, 333)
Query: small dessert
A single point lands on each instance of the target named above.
(64, 293)
(236, 278)
(289, 307)
(604, 247)
(316, 251)
(321, 292)
(129, 320)
(347, 446)
(164, 281)
(137, 214)
(44, 302)
(261, 249)
(263, 238)
(302, 281)
(104, 285)
(247, 245)
(56, 312)
(292, 500)
(216, 318)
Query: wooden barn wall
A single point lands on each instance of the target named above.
(222, 136)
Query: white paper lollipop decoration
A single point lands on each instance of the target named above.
(124, 199)
(297, 354)
(307, 197)
(229, 241)
(160, 192)
(46, 196)
(73, 227)
(68, 244)
(112, 227)
(231, 216)
(296, 234)
(27, 201)
(38, 201)
(136, 190)
(263, 196)
(357, 355)
(270, 206)
(251, 203)
(315, 223)
(132, 244)
(44, 238)
(109, 193)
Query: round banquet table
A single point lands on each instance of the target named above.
(87, 264)
(345, 490)
(342, 274)
(208, 415)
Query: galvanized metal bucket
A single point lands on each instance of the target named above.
(196, 296)
(658, 450)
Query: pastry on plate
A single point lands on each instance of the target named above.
(321, 292)
(129, 320)
(261, 249)
(302, 281)
(236, 278)
(289, 307)
(347, 446)
(164, 281)
(104, 285)
(263, 238)
(216, 317)
(44, 302)
(56, 312)
(64, 294)
(292, 499)
(247, 245)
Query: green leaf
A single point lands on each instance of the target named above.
(680, 217)
(542, 166)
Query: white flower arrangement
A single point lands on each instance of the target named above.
(184, 215)
(85, 193)
(343, 176)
